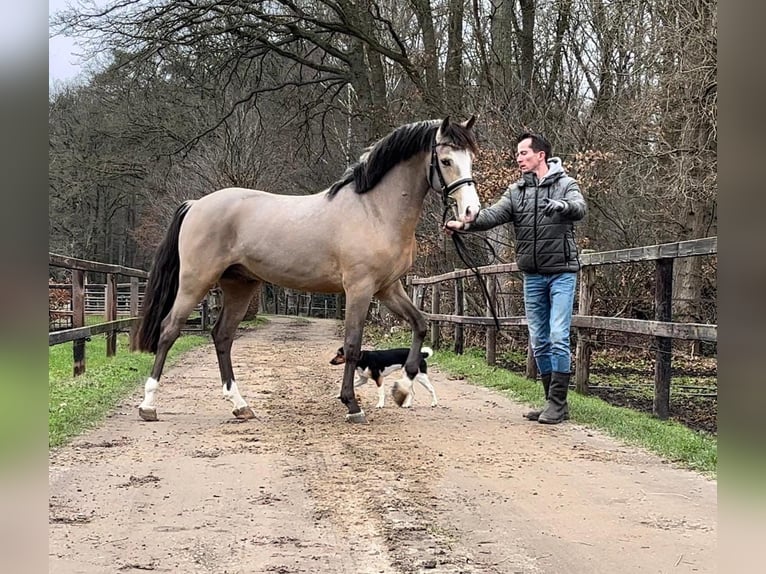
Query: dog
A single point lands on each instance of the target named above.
(376, 365)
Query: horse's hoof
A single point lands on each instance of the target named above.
(148, 414)
(358, 418)
(244, 413)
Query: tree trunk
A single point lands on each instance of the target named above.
(502, 63)
(562, 25)
(430, 58)
(526, 40)
(453, 71)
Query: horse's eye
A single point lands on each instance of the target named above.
(446, 162)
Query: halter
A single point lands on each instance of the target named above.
(446, 190)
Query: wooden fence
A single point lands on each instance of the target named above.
(80, 332)
(110, 299)
(662, 327)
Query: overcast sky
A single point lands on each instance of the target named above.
(64, 65)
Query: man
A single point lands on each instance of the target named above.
(543, 206)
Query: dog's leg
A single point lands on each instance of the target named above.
(408, 400)
(422, 378)
(381, 393)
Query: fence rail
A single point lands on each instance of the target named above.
(58, 337)
(662, 327)
(80, 332)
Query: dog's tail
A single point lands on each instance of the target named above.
(426, 352)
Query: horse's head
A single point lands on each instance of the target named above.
(450, 172)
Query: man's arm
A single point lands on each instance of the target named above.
(497, 214)
(576, 206)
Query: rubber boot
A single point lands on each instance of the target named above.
(557, 409)
(534, 415)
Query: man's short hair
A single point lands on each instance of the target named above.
(539, 143)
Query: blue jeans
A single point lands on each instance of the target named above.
(548, 301)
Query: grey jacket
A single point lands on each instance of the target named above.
(543, 244)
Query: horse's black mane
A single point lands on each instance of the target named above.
(400, 145)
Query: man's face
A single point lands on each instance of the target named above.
(527, 158)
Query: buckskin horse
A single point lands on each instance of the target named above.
(357, 237)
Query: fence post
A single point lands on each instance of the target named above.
(491, 330)
(459, 312)
(339, 305)
(133, 309)
(78, 319)
(417, 299)
(584, 346)
(663, 293)
(110, 312)
(435, 330)
(204, 313)
(134, 296)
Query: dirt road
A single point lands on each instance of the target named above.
(468, 486)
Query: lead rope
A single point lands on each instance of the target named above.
(465, 257)
(460, 246)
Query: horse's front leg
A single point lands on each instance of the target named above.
(357, 305)
(396, 299)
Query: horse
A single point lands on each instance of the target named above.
(357, 237)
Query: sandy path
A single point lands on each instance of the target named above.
(466, 487)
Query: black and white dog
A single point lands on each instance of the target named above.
(376, 365)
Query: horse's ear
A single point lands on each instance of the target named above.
(445, 124)
(469, 124)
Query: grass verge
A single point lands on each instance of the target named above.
(669, 439)
(75, 404)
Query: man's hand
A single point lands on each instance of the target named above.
(453, 225)
(551, 206)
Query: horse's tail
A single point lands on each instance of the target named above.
(161, 288)
(426, 352)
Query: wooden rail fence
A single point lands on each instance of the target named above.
(80, 332)
(101, 298)
(662, 327)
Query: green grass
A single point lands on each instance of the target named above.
(75, 404)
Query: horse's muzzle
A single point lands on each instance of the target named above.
(470, 214)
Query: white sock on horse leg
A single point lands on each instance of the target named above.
(233, 395)
(149, 389)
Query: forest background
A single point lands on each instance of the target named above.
(282, 95)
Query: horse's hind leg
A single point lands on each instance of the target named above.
(189, 294)
(237, 294)
(395, 298)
